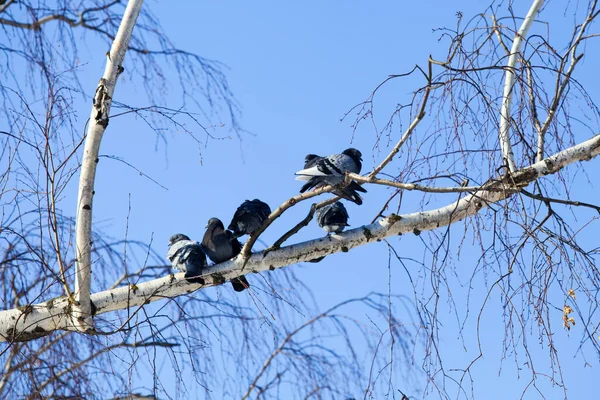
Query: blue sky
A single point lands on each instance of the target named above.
(295, 70)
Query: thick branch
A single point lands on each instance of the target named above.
(509, 82)
(30, 322)
(96, 128)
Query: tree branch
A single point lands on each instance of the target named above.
(420, 115)
(33, 321)
(5, 5)
(247, 249)
(415, 186)
(563, 81)
(505, 115)
(96, 128)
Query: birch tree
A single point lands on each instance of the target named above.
(488, 146)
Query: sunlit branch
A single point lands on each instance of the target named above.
(505, 113)
(38, 320)
(417, 187)
(97, 125)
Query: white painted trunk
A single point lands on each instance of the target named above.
(34, 321)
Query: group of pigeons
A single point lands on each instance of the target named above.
(221, 244)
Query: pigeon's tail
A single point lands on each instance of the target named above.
(356, 187)
(352, 196)
(309, 185)
(349, 194)
(193, 269)
(240, 283)
(191, 278)
(356, 199)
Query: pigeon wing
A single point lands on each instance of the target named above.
(311, 160)
(321, 213)
(328, 166)
(262, 210)
(339, 213)
(176, 254)
(248, 217)
(195, 263)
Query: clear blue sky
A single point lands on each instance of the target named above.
(295, 70)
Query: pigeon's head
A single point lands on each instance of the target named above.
(176, 238)
(355, 154)
(214, 223)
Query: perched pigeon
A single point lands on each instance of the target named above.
(248, 217)
(220, 245)
(333, 218)
(331, 170)
(186, 255)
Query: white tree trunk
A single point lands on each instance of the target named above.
(509, 83)
(30, 322)
(81, 311)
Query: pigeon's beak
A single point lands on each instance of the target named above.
(206, 226)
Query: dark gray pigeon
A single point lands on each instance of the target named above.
(220, 245)
(187, 256)
(248, 217)
(333, 218)
(331, 170)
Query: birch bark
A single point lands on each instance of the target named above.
(81, 307)
(38, 320)
(509, 83)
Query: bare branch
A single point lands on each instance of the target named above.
(420, 188)
(34, 321)
(420, 115)
(247, 249)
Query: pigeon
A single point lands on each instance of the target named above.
(248, 217)
(220, 245)
(333, 218)
(331, 170)
(187, 256)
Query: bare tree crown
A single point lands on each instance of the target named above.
(489, 147)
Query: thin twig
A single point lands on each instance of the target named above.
(560, 201)
(414, 186)
(420, 115)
